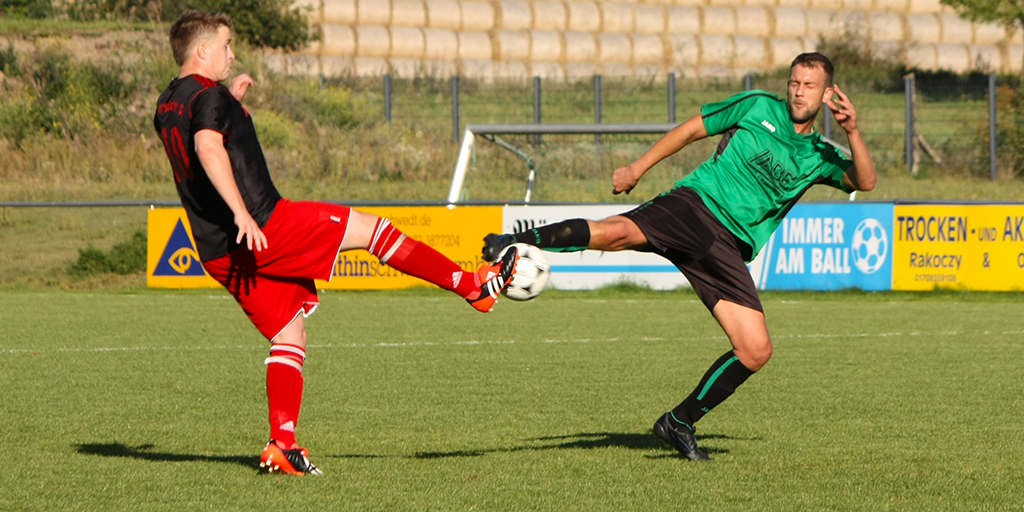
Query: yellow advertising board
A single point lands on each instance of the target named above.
(970, 247)
(171, 257)
(457, 233)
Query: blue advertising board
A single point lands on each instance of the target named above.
(829, 246)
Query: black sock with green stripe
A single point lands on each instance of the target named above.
(566, 236)
(720, 381)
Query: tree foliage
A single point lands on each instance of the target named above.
(271, 24)
(266, 23)
(1008, 12)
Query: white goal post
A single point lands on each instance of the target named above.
(489, 131)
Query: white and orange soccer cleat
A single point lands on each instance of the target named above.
(293, 462)
(493, 279)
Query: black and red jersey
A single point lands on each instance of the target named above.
(196, 103)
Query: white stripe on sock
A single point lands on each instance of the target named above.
(380, 228)
(288, 348)
(393, 249)
(283, 360)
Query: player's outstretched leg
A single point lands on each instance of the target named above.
(418, 259)
(616, 233)
(566, 236)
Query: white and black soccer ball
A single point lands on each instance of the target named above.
(870, 246)
(532, 273)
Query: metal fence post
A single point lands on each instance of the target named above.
(455, 109)
(671, 97)
(387, 97)
(992, 132)
(908, 93)
(748, 82)
(536, 106)
(597, 105)
(828, 122)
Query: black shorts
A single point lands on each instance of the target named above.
(680, 228)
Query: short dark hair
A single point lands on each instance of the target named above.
(813, 60)
(192, 25)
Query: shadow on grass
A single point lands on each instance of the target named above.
(581, 441)
(145, 452)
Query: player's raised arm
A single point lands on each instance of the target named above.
(625, 178)
(214, 157)
(860, 175)
(240, 85)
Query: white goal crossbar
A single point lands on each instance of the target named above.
(490, 130)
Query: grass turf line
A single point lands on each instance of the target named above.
(154, 400)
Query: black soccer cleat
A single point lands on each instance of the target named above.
(682, 440)
(494, 244)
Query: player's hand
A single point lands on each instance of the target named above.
(240, 84)
(842, 109)
(624, 180)
(250, 231)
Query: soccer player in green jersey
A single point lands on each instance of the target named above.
(717, 218)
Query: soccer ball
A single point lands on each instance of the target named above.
(870, 245)
(532, 273)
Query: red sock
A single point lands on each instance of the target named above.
(284, 392)
(420, 260)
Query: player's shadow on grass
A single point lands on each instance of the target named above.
(145, 452)
(588, 441)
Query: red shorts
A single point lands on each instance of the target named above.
(275, 285)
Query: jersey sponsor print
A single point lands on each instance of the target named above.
(761, 167)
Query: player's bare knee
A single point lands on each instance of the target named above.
(294, 334)
(754, 353)
(613, 234)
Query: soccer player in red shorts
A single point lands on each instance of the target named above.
(225, 186)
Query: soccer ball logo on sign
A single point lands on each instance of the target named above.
(870, 246)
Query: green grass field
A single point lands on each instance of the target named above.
(153, 400)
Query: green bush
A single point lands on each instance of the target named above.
(123, 258)
(9, 62)
(332, 106)
(26, 9)
(260, 23)
(19, 116)
(63, 96)
(304, 101)
(275, 130)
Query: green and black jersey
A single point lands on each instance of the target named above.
(761, 167)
